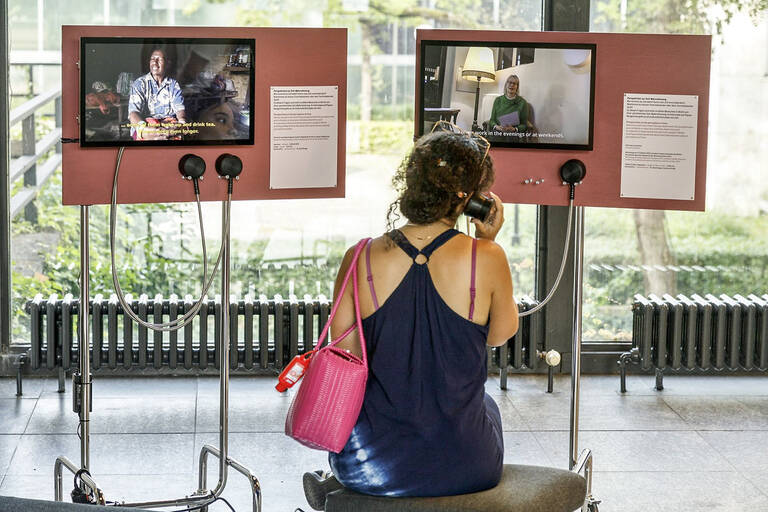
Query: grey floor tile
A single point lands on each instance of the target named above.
(629, 412)
(536, 384)
(638, 451)
(511, 420)
(676, 492)
(15, 414)
(721, 412)
(543, 411)
(38, 487)
(745, 450)
(268, 452)
(758, 478)
(146, 415)
(30, 387)
(598, 412)
(8, 444)
(36, 454)
(140, 385)
(247, 413)
(712, 385)
(110, 454)
(249, 385)
(53, 415)
(524, 448)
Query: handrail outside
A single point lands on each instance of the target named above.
(24, 110)
(36, 174)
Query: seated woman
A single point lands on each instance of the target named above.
(436, 298)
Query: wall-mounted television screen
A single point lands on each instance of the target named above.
(531, 95)
(166, 91)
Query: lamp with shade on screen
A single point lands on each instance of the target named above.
(479, 65)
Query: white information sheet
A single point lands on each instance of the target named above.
(304, 128)
(658, 154)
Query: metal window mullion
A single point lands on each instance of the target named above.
(5, 186)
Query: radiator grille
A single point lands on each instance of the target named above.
(699, 333)
(265, 334)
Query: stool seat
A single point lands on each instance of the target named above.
(521, 489)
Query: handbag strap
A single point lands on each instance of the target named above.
(351, 271)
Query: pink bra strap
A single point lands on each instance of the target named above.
(370, 276)
(472, 283)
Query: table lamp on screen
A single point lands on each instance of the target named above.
(479, 66)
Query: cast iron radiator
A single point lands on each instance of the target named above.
(697, 333)
(265, 334)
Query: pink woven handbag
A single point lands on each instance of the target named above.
(326, 406)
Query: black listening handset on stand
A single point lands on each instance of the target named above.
(479, 207)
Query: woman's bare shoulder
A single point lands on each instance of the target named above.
(492, 254)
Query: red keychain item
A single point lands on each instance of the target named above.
(294, 371)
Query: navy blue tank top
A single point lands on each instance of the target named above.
(427, 427)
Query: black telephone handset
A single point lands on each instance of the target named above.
(478, 207)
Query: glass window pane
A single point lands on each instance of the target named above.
(720, 251)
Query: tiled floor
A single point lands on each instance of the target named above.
(699, 445)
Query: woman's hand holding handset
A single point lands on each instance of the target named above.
(491, 227)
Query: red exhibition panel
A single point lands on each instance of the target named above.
(283, 57)
(625, 63)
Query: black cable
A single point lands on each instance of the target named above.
(205, 504)
(227, 503)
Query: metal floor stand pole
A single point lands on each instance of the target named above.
(81, 388)
(224, 362)
(578, 264)
(85, 340)
(578, 462)
(203, 495)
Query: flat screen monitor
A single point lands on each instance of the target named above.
(515, 94)
(166, 91)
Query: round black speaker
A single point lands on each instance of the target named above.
(573, 171)
(191, 166)
(229, 165)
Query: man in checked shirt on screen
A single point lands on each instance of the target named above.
(156, 103)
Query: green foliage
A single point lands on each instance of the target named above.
(143, 268)
(672, 16)
(385, 137)
(400, 112)
(713, 253)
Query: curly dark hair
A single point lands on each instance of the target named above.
(440, 165)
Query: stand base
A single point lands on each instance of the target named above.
(252, 480)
